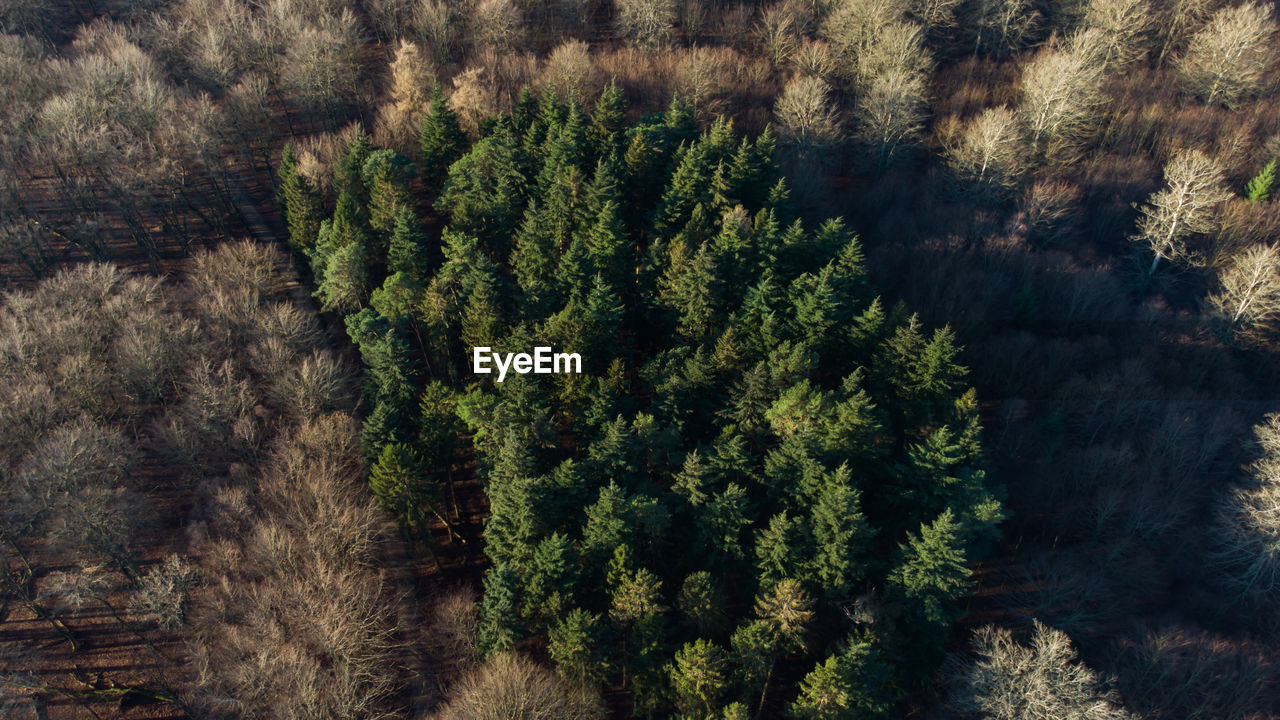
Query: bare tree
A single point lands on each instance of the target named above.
(399, 121)
(435, 27)
(806, 115)
(1044, 681)
(1051, 210)
(702, 76)
(988, 159)
(646, 23)
(1176, 20)
(898, 47)
(1230, 59)
(511, 687)
(778, 34)
(163, 592)
(571, 73)
(890, 115)
(1124, 25)
(1248, 302)
(1194, 186)
(497, 25)
(814, 57)
(1060, 103)
(321, 68)
(1002, 27)
(1248, 528)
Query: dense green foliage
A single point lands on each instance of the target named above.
(756, 451)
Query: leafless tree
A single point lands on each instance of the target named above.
(898, 48)
(473, 97)
(1002, 27)
(1230, 59)
(1124, 26)
(702, 76)
(163, 592)
(890, 115)
(1061, 99)
(1194, 186)
(497, 25)
(1006, 680)
(571, 73)
(399, 120)
(1176, 20)
(1248, 301)
(646, 23)
(512, 687)
(806, 115)
(318, 384)
(779, 34)
(1051, 210)
(435, 27)
(320, 68)
(813, 57)
(987, 158)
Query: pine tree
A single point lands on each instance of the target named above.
(851, 683)
(699, 678)
(690, 289)
(575, 646)
(485, 192)
(1259, 188)
(498, 628)
(441, 142)
(931, 571)
(386, 175)
(840, 537)
(398, 479)
(607, 130)
(755, 652)
(348, 178)
(407, 250)
(345, 284)
(825, 694)
(701, 603)
(778, 550)
(548, 584)
(300, 203)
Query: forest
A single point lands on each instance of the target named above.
(926, 359)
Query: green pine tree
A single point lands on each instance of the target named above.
(699, 678)
(1259, 188)
(299, 202)
(441, 142)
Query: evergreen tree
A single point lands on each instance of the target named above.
(345, 284)
(690, 288)
(548, 585)
(299, 202)
(407, 250)
(441, 141)
(348, 172)
(840, 537)
(399, 480)
(698, 677)
(498, 628)
(1259, 188)
(778, 551)
(700, 602)
(848, 684)
(386, 175)
(575, 646)
(931, 573)
(485, 192)
(607, 130)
